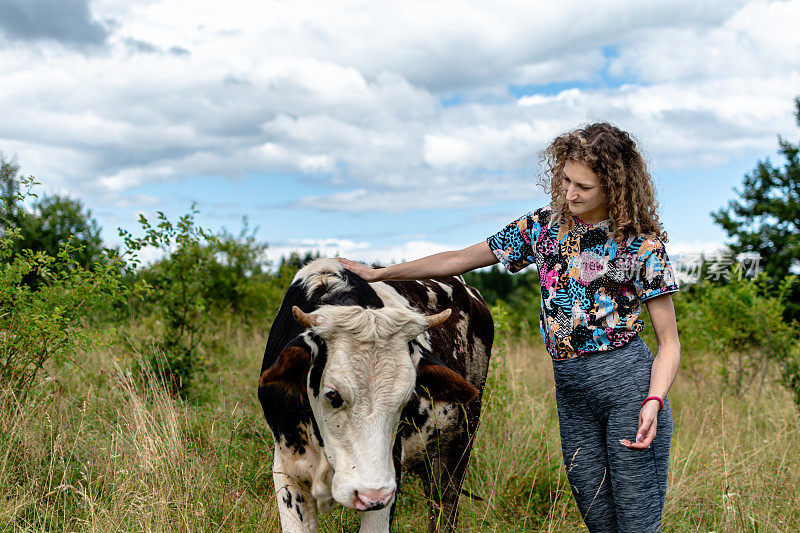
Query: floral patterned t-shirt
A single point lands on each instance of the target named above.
(592, 287)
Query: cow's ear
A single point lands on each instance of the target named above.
(289, 370)
(442, 384)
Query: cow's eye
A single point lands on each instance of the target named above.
(334, 398)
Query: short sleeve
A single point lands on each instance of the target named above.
(514, 244)
(654, 275)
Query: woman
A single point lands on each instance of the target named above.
(599, 250)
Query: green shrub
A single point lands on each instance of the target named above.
(201, 279)
(736, 328)
(46, 324)
(175, 301)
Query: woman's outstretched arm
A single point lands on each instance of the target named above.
(450, 263)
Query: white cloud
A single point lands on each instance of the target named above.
(350, 93)
(445, 151)
(687, 248)
(759, 40)
(686, 123)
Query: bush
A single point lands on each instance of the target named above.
(47, 324)
(175, 296)
(202, 276)
(736, 328)
(236, 270)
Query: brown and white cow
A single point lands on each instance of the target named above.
(359, 379)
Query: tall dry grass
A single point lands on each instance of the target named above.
(110, 452)
(98, 450)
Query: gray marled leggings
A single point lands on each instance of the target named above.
(599, 397)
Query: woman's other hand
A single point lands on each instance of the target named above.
(648, 419)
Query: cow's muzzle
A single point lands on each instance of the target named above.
(370, 500)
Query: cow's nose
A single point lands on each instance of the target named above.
(373, 499)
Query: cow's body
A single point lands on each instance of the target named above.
(406, 366)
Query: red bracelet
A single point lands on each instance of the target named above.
(660, 402)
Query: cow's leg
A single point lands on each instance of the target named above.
(443, 492)
(447, 474)
(296, 507)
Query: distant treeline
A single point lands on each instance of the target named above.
(59, 283)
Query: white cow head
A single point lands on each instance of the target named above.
(357, 388)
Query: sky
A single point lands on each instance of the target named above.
(385, 131)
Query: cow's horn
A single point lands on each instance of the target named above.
(306, 320)
(438, 318)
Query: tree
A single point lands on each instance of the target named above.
(53, 220)
(9, 193)
(766, 217)
(236, 266)
(294, 261)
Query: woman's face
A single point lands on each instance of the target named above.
(581, 187)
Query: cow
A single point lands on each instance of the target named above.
(362, 380)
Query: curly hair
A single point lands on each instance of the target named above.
(624, 180)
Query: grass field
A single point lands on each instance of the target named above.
(94, 450)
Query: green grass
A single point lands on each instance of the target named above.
(95, 450)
